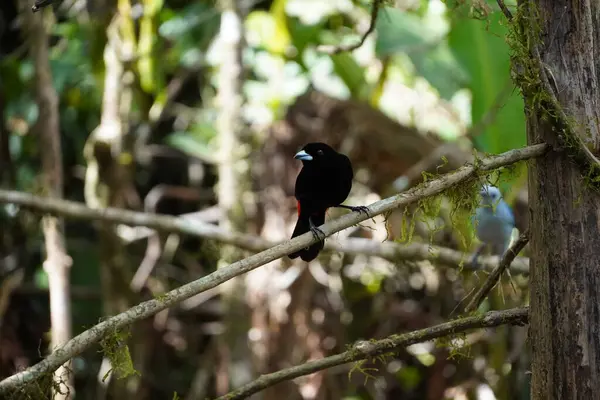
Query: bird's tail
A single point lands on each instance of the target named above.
(302, 226)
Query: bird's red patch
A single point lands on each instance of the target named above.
(298, 206)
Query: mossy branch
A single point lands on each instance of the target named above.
(366, 350)
(148, 308)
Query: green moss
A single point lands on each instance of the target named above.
(39, 389)
(114, 346)
(42, 388)
(458, 204)
(365, 371)
(457, 345)
(524, 36)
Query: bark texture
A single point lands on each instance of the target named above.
(565, 237)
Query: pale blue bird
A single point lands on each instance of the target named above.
(493, 221)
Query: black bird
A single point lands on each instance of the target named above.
(324, 181)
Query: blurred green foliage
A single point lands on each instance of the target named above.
(447, 48)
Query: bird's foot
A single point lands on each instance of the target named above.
(317, 233)
(360, 209)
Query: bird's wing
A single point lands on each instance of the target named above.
(504, 212)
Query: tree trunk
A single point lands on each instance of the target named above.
(565, 237)
(234, 368)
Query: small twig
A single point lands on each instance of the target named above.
(505, 10)
(330, 49)
(493, 278)
(367, 350)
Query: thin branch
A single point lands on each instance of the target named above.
(165, 223)
(394, 252)
(364, 350)
(493, 278)
(148, 308)
(329, 49)
(505, 10)
(390, 251)
(189, 225)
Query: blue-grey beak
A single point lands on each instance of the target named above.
(302, 155)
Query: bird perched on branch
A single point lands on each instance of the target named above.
(493, 222)
(324, 181)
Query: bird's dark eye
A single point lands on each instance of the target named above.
(320, 152)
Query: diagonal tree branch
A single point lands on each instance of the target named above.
(145, 309)
(365, 350)
(491, 281)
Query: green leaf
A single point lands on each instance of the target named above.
(302, 35)
(441, 70)
(398, 31)
(350, 72)
(401, 32)
(481, 48)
